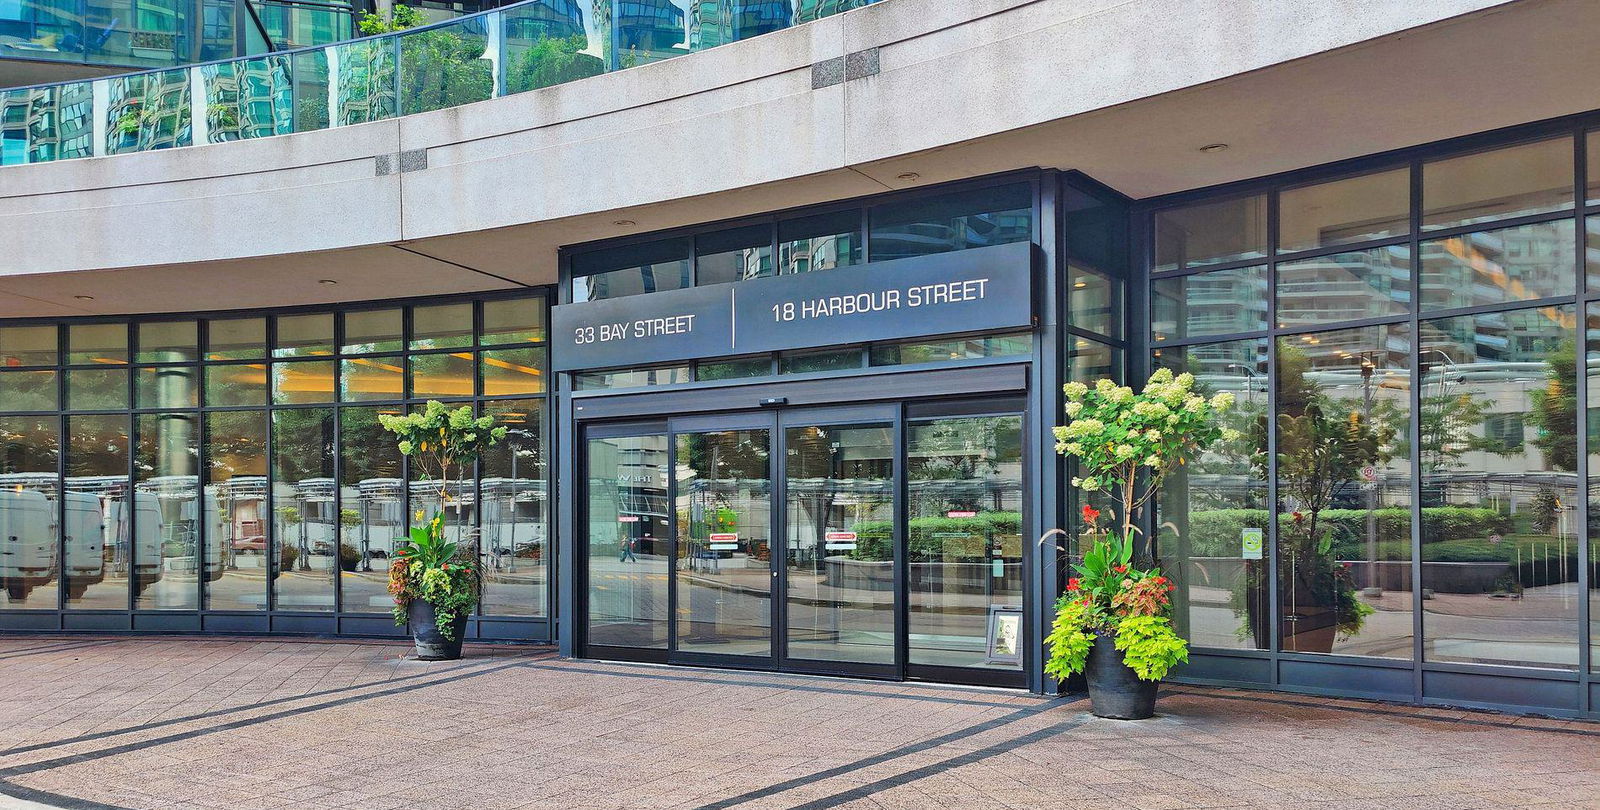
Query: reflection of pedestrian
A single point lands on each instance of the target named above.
(627, 551)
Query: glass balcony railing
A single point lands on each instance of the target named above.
(513, 49)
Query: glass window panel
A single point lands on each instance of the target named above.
(515, 513)
(50, 123)
(146, 111)
(440, 376)
(446, 66)
(372, 511)
(27, 346)
(937, 351)
(819, 242)
(301, 560)
(512, 371)
(1344, 491)
(366, 83)
(98, 530)
(1094, 301)
(372, 378)
(248, 98)
(1519, 180)
(1217, 303)
(629, 537)
(97, 389)
(27, 390)
(1502, 266)
(739, 368)
(1592, 164)
(166, 387)
(236, 516)
(304, 335)
(650, 31)
(630, 378)
(733, 255)
(1207, 507)
(631, 270)
(373, 330)
(168, 342)
(965, 219)
(724, 507)
(168, 558)
(553, 42)
(1211, 233)
(311, 89)
(236, 339)
(1344, 286)
(97, 343)
(302, 382)
(1355, 209)
(825, 360)
(1591, 252)
(1088, 360)
(236, 385)
(965, 539)
(29, 490)
(514, 320)
(445, 326)
(1592, 422)
(1499, 526)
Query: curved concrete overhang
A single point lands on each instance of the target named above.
(901, 93)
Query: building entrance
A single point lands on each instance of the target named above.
(879, 541)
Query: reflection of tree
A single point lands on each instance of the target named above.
(551, 61)
(1554, 414)
(444, 67)
(964, 450)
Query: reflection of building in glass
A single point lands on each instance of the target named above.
(714, 22)
(807, 10)
(646, 30)
(46, 123)
(551, 19)
(248, 99)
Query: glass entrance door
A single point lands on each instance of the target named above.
(723, 573)
(883, 541)
(842, 573)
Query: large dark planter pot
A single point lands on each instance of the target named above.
(1115, 691)
(431, 644)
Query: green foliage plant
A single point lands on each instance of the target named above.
(399, 18)
(1124, 444)
(442, 444)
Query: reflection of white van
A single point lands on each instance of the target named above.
(176, 527)
(147, 524)
(512, 519)
(27, 541)
(85, 541)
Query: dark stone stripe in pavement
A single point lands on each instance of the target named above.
(65, 647)
(877, 759)
(1376, 708)
(75, 759)
(763, 680)
(53, 799)
(101, 735)
(863, 791)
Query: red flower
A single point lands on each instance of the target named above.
(1121, 569)
(1297, 517)
(1090, 514)
(1072, 584)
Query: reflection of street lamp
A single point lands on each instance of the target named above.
(1250, 383)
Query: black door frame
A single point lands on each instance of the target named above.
(904, 395)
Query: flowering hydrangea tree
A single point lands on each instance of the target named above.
(1125, 443)
(1114, 434)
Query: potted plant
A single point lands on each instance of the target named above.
(434, 580)
(1114, 622)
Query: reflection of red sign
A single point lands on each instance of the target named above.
(961, 513)
(840, 536)
(724, 538)
(628, 518)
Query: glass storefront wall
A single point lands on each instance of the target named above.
(1403, 347)
(236, 463)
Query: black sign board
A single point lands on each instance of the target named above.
(962, 291)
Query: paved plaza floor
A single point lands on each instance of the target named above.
(91, 722)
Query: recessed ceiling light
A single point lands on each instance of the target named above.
(624, 222)
(908, 176)
(327, 281)
(84, 297)
(1213, 148)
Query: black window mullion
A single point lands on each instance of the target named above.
(1580, 416)
(1418, 623)
(1274, 597)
